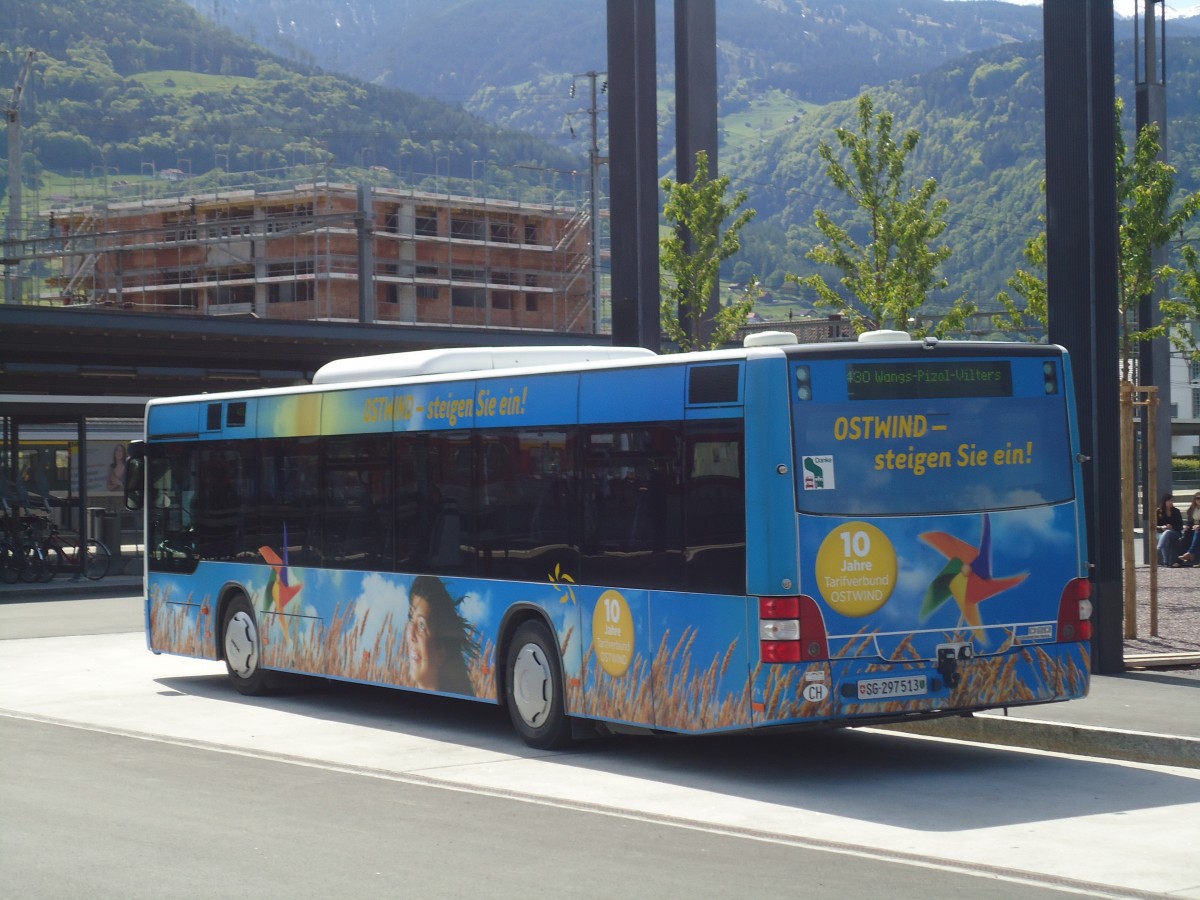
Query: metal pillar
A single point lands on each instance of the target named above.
(1081, 277)
(696, 116)
(633, 173)
(1154, 357)
(364, 226)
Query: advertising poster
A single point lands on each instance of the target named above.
(106, 467)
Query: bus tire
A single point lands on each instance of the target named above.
(241, 646)
(534, 688)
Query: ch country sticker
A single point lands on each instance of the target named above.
(818, 473)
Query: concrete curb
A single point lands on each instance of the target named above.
(69, 589)
(1081, 740)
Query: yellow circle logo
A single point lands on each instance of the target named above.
(612, 633)
(856, 569)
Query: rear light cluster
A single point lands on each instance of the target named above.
(791, 629)
(1075, 611)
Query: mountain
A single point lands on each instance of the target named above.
(967, 75)
(982, 130)
(122, 86)
(514, 62)
(796, 45)
(128, 87)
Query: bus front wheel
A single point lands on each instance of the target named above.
(242, 644)
(534, 688)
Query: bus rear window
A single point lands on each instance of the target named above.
(874, 438)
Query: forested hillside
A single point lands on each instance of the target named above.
(512, 61)
(122, 87)
(127, 86)
(981, 120)
(968, 76)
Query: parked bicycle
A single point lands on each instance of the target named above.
(62, 555)
(23, 558)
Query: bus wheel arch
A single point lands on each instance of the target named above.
(531, 685)
(240, 643)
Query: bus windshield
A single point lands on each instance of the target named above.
(917, 436)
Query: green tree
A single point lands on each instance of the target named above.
(1145, 185)
(690, 258)
(1147, 222)
(889, 277)
(1029, 286)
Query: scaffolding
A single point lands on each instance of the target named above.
(298, 253)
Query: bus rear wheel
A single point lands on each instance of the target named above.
(533, 688)
(241, 644)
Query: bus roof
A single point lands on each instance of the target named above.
(470, 359)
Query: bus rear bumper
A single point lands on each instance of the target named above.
(859, 690)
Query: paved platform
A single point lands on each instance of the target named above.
(1148, 714)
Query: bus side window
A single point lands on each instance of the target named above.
(450, 527)
(358, 502)
(289, 502)
(633, 510)
(716, 509)
(411, 544)
(171, 540)
(224, 500)
(525, 505)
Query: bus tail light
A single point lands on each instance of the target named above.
(1075, 611)
(791, 629)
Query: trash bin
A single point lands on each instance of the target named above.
(105, 526)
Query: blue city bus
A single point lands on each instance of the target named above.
(605, 539)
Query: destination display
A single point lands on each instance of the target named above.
(919, 380)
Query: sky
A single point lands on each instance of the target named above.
(1127, 7)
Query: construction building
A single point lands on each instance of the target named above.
(329, 253)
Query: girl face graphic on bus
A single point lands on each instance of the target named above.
(438, 641)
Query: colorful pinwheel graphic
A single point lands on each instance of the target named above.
(967, 577)
(280, 590)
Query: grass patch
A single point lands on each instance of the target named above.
(168, 81)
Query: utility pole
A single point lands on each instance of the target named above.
(595, 160)
(1081, 278)
(1154, 357)
(633, 173)
(12, 230)
(696, 126)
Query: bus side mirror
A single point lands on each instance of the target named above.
(135, 483)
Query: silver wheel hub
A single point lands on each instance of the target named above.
(241, 644)
(533, 685)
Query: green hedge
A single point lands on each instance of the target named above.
(1185, 465)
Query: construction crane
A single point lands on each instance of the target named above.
(12, 115)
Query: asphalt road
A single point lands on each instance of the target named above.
(91, 815)
(131, 775)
